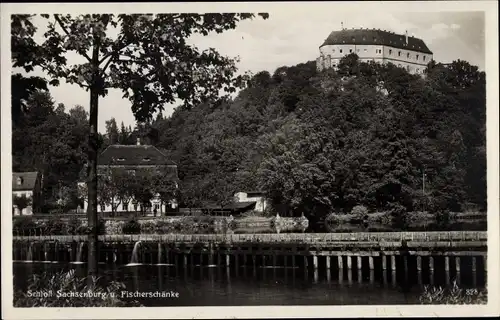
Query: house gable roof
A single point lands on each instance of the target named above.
(28, 180)
(376, 37)
(133, 155)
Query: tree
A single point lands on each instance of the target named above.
(21, 202)
(149, 61)
(112, 131)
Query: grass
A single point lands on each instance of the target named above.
(453, 295)
(86, 292)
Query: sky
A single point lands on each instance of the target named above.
(291, 37)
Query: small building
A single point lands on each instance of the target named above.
(259, 197)
(25, 186)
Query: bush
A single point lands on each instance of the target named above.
(360, 212)
(108, 296)
(54, 226)
(131, 227)
(163, 227)
(454, 295)
(148, 227)
(74, 226)
(23, 225)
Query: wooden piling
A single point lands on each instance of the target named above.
(474, 264)
(359, 262)
(315, 262)
(340, 262)
(457, 264)
(328, 262)
(419, 263)
(370, 263)
(349, 262)
(227, 260)
(384, 263)
(393, 263)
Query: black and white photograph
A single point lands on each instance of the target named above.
(310, 159)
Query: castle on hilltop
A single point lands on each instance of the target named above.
(377, 45)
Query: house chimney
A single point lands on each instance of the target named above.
(342, 26)
(406, 36)
(138, 141)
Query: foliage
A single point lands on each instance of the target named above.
(131, 227)
(68, 282)
(361, 212)
(454, 295)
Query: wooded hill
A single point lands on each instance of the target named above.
(316, 143)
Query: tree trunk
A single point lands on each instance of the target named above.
(92, 167)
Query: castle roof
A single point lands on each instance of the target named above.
(133, 155)
(27, 180)
(376, 37)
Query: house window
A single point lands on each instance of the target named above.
(120, 159)
(333, 50)
(340, 50)
(423, 57)
(131, 172)
(19, 181)
(408, 55)
(125, 206)
(375, 39)
(399, 53)
(390, 51)
(416, 57)
(365, 50)
(157, 206)
(147, 159)
(350, 50)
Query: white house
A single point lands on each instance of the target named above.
(253, 196)
(132, 159)
(25, 184)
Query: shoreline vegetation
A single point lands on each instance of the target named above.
(453, 295)
(53, 290)
(377, 221)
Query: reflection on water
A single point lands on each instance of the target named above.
(244, 286)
